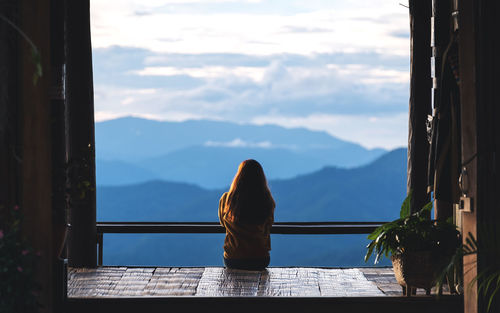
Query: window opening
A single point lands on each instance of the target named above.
(316, 91)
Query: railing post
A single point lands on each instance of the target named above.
(100, 243)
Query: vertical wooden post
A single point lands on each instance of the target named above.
(36, 156)
(10, 120)
(57, 111)
(81, 151)
(58, 135)
(467, 65)
(488, 141)
(441, 16)
(479, 67)
(420, 101)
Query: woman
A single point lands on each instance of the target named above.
(247, 213)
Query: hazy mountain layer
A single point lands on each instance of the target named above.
(207, 153)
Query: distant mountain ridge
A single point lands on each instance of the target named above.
(328, 194)
(133, 150)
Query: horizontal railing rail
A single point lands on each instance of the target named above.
(288, 228)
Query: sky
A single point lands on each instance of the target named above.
(339, 66)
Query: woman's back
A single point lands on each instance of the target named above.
(247, 213)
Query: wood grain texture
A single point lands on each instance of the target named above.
(221, 282)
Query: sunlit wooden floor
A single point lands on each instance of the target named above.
(218, 281)
(215, 289)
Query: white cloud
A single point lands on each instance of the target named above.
(348, 99)
(101, 116)
(353, 27)
(239, 143)
(278, 73)
(207, 72)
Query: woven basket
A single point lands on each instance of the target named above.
(415, 269)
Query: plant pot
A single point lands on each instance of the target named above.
(415, 270)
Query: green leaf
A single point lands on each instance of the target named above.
(370, 251)
(405, 207)
(427, 208)
(375, 233)
(493, 296)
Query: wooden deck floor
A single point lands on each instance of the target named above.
(218, 281)
(215, 289)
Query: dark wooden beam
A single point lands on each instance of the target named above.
(214, 228)
(488, 141)
(10, 118)
(444, 145)
(58, 139)
(271, 304)
(420, 101)
(467, 63)
(81, 150)
(57, 112)
(36, 175)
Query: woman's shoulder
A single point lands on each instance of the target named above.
(223, 199)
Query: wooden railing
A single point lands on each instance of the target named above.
(289, 228)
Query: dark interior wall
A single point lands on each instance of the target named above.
(25, 167)
(10, 135)
(488, 130)
(467, 59)
(479, 67)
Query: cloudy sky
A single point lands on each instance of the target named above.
(341, 66)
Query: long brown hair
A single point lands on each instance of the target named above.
(249, 199)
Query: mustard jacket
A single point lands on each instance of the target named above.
(244, 241)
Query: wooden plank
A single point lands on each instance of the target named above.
(220, 282)
(83, 282)
(384, 279)
(278, 282)
(347, 283)
(174, 282)
(132, 283)
(268, 304)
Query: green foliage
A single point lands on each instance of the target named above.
(17, 269)
(37, 62)
(405, 207)
(77, 174)
(413, 232)
(489, 242)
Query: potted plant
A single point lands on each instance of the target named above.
(419, 247)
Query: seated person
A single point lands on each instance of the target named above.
(247, 213)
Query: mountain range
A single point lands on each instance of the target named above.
(207, 153)
(372, 192)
